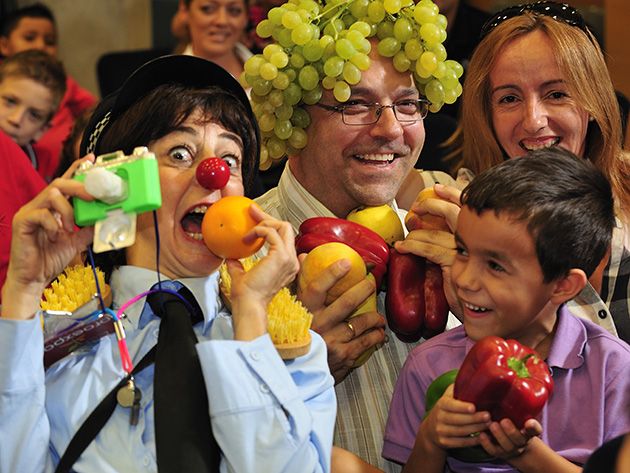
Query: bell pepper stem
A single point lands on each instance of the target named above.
(519, 365)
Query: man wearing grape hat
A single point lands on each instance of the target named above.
(342, 93)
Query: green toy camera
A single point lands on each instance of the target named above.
(123, 186)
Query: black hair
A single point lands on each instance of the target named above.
(39, 67)
(36, 10)
(566, 202)
(68, 153)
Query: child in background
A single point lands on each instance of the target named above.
(33, 27)
(32, 84)
(19, 183)
(529, 234)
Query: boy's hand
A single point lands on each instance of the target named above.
(453, 424)
(507, 441)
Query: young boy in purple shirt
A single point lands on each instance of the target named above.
(529, 233)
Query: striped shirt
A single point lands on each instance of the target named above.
(363, 397)
(613, 313)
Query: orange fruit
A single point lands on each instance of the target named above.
(322, 256)
(225, 224)
(428, 221)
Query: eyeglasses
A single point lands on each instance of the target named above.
(405, 111)
(557, 11)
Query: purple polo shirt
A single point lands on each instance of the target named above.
(590, 403)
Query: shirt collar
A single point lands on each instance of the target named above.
(129, 281)
(299, 204)
(569, 341)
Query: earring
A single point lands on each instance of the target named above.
(591, 118)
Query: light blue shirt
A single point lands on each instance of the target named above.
(268, 415)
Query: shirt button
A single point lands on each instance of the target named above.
(602, 314)
(146, 461)
(264, 388)
(255, 356)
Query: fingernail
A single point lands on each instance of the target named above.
(343, 264)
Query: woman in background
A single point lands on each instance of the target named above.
(215, 30)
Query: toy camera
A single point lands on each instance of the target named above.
(123, 186)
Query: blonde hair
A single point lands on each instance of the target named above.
(586, 76)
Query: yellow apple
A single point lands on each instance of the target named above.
(381, 219)
(321, 257)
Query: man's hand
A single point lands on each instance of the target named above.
(438, 246)
(345, 340)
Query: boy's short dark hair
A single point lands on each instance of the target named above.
(566, 201)
(39, 67)
(36, 10)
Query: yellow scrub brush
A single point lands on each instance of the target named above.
(288, 321)
(74, 288)
(73, 314)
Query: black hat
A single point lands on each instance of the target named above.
(174, 69)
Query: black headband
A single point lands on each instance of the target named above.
(558, 11)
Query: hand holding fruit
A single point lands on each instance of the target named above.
(234, 228)
(509, 383)
(415, 300)
(431, 221)
(372, 248)
(435, 208)
(331, 283)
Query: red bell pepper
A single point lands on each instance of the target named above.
(415, 302)
(435, 303)
(404, 300)
(505, 378)
(369, 244)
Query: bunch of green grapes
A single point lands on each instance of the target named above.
(325, 45)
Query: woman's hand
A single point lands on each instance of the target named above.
(44, 241)
(252, 291)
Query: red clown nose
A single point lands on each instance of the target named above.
(213, 173)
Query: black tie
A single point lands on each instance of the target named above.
(183, 434)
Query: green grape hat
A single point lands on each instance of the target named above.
(323, 44)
